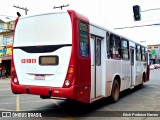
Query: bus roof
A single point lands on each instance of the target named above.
(40, 14)
(92, 22)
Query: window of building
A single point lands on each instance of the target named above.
(125, 49)
(8, 40)
(84, 39)
(115, 47)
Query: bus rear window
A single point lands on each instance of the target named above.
(83, 34)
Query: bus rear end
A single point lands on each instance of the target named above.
(45, 59)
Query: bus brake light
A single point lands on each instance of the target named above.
(14, 75)
(69, 77)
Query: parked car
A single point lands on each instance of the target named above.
(152, 67)
(156, 66)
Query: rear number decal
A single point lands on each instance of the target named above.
(28, 60)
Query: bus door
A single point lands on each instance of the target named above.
(132, 58)
(96, 68)
(148, 67)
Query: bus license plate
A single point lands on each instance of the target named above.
(39, 77)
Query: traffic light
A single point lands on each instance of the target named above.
(137, 12)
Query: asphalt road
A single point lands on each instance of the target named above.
(134, 101)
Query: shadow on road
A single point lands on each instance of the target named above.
(70, 108)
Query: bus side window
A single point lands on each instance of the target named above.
(138, 53)
(132, 56)
(108, 45)
(125, 49)
(143, 54)
(84, 39)
(115, 47)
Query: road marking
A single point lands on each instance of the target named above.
(17, 103)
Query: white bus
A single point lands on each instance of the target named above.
(65, 55)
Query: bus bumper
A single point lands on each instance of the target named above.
(79, 93)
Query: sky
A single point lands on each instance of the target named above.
(108, 13)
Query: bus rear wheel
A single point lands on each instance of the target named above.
(115, 91)
(143, 79)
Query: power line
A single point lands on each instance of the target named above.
(155, 24)
(150, 9)
(151, 20)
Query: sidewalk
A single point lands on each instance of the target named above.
(6, 80)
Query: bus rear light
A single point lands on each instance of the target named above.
(67, 82)
(69, 77)
(15, 80)
(70, 69)
(14, 76)
(12, 69)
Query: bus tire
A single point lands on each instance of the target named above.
(115, 91)
(143, 79)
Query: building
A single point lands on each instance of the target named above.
(154, 53)
(6, 40)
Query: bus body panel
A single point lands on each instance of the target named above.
(140, 69)
(28, 69)
(115, 68)
(126, 75)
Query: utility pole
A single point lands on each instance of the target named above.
(26, 10)
(61, 6)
